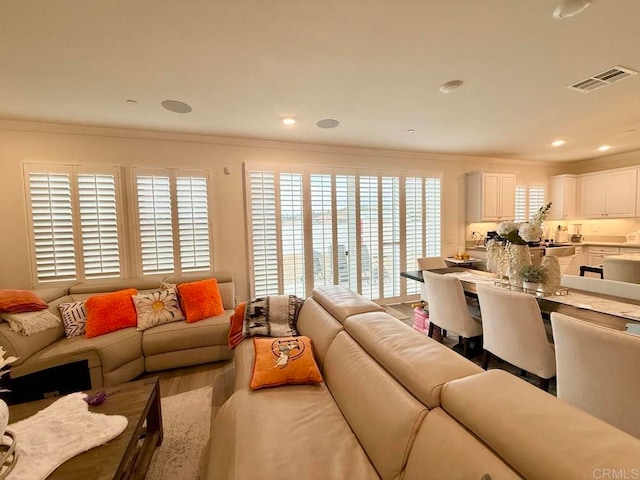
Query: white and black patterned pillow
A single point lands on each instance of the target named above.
(74, 317)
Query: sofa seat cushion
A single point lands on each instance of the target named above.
(538, 435)
(294, 431)
(184, 336)
(113, 349)
(418, 362)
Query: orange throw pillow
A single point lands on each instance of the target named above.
(200, 300)
(282, 361)
(235, 326)
(110, 312)
(18, 301)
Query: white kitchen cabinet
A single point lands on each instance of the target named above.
(610, 194)
(578, 259)
(596, 254)
(563, 197)
(490, 197)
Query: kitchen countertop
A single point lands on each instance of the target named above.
(586, 243)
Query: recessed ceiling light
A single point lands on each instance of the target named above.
(288, 120)
(450, 86)
(558, 143)
(176, 106)
(604, 148)
(411, 130)
(328, 123)
(569, 8)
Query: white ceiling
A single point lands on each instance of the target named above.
(374, 65)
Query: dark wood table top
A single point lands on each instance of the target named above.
(546, 306)
(132, 400)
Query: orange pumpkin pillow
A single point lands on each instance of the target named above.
(200, 300)
(110, 312)
(236, 323)
(282, 361)
(17, 301)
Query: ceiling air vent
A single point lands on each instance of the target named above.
(602, 79)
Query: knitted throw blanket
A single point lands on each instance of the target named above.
(273, 316)
(59, 432)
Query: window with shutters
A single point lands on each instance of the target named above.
(173, 220)
(314, 226)
(529, 199)
(74, 222)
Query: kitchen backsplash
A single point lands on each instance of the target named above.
(612, 230)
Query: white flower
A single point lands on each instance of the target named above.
(530, 232)
(505, 227)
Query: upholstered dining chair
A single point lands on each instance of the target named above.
(429, 263)
(623, 268)
(448, 308)
(598, 371)
(605, 287)
(514, 331)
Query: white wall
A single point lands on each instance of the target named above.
(32, 142)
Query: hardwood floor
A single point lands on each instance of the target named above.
(180, 380)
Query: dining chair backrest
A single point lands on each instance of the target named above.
(448, 305)
(429, 263)
(514, 330)
(598, 371)
(605, 287)
(625, 268)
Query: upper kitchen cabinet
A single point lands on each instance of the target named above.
(610, 194)
(490, 197)
(563, 195)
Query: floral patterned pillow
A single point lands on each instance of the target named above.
(156, 308)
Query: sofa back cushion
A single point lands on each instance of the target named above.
(319, 325)
(82, 291)
(418, 362)
(381, 413)
(342, 302)
(538, 435)
(443, 446)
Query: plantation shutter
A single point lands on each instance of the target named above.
(521, 204)
(193, 223)
(155, 223)
(262, 204)
(99, 225)
(391, 236)
(414, 226)
(52, 223)
(369, 236)
(432, 216)
(536, 200)
(322, 228)
(292, 234)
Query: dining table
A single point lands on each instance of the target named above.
(548, 304)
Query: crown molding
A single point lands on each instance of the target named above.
(130, 133)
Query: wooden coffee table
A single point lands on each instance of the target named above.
(128, 455)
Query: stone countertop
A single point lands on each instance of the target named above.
(586, 243)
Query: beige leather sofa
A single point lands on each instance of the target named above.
(396, 404)
(123, 355)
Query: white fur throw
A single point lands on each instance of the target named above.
(59, 432)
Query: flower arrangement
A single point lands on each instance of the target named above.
(520, 233)
(533, 274)
(504, 253)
